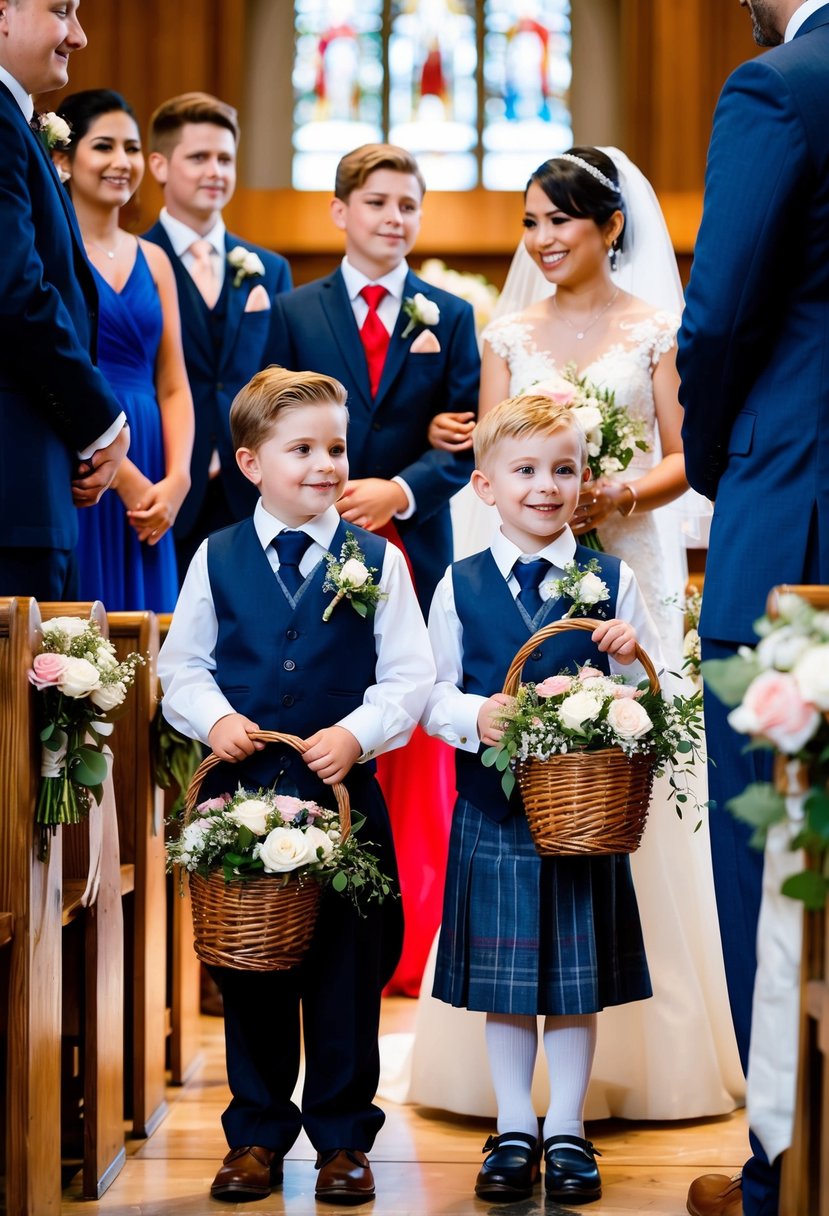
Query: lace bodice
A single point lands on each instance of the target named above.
(651, 546)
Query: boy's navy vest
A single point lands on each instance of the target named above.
(282, 666)
(494, 630)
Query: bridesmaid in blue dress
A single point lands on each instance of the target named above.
(125, 551)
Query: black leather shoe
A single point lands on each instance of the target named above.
(511, 1170)
(572, 1175)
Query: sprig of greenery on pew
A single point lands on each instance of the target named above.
(175, 758)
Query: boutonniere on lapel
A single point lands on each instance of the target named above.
(351, 579)
(54, 131)
(421, 311)
(582, 585)
(246, 263)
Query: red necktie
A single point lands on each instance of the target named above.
(374, 335)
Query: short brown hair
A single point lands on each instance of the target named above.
(256, 407)
(356, 166)
(171, 116)
(530, 414)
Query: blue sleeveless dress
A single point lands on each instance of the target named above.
(114, 566)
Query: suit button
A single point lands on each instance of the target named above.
(289, 665)
(536, 655)
(287, 700)
(292, 634)
(375, 426)
(219, 387)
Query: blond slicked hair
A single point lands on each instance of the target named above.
(358, 164)
(167, 121)
(526, 414)
(257, 406)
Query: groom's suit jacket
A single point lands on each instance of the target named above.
(53, 400)
(222, 350)
(754, 342)
(315, 330)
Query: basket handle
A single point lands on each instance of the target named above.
(513, 676)
(268, 736)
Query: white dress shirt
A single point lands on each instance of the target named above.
(452, 714)
(182, 237)
(193, 701)
(800, 15)
(388, 310)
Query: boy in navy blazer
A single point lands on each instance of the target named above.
(62, 433)
(403, 359)
(249, 647)
(226, 289)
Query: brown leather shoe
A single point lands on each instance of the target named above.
(716, 1195)
(344, 1177)
(247, 1173)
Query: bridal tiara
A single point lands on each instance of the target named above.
(591, 169)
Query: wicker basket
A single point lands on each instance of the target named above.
(583, 802)
(259, 923)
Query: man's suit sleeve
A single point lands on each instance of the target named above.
(435, 476)
(41, 352)
(757, 164)
(280, 348)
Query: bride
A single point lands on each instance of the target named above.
(595, 244)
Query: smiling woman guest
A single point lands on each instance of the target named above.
(125, 551)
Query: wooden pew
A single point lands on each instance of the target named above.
(93, 977)
(30, 892)
(805, 1179)
(183, 968)
(141, 832)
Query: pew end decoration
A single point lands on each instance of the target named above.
(584, 750)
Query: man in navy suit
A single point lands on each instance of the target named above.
(755, 387)
(62, 432)
(399, 369)
(226, 289)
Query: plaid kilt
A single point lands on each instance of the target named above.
(531, 935)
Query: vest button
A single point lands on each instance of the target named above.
(219, 387)
(536, 655)
(376, 426)
(289, 665)
(287, 700)
(292, 634)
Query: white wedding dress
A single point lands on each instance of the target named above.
(673, 1056)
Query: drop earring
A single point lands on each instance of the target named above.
(613, 255)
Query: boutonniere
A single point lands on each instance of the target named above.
(352, 580)
(54, 131)
(421, 311)
(582, 585)
(246, 263)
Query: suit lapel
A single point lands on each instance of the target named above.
(340, 316)
(193, 313)
(399, 346)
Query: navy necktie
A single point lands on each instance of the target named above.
(530, 575)
(290, 549)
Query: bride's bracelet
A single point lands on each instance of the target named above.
(625, 510)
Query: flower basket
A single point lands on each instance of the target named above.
(261, 923)
(590, 802)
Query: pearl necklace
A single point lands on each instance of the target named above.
(581, 332)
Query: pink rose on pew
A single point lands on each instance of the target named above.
(774, 707)
(553, 686)
(47, 669)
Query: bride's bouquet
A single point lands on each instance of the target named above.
(613, 436)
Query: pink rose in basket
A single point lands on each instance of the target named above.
(590, 673)
(213, 804)
(774, 707)
(47, 669)
(553, 686)
(290, 807)
(625, 692)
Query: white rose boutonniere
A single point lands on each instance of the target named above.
(246, 263)
(582, 585)
(352, 580)
(54, 131)
(421, 311)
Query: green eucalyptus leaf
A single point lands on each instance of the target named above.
(809, 887)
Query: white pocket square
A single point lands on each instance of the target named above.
(258, 300)
(425, 344)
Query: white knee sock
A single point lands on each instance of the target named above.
(512, 1045)
(570, 1044)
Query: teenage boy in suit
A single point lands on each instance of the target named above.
(62, 432)
(226, 289)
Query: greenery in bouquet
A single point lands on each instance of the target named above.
(613, 435)
(82, 685)
(250, 834)
(473, 288)
(780, 691)
(590, 711)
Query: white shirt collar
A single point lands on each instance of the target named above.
(182, 235)
(321, 528)
(800, 15)
(18, 93)
(394, 282)
(559, 552)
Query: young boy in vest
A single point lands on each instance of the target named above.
(522, 935)
(248, 649)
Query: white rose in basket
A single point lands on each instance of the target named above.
(318, 839)
(812, 675)
(284, 849)
(79, 678)
(629, 719)
(252, 814)
(580, 708)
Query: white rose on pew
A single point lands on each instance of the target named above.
(317, 839)
(108, 696)
(79, 678)
(252, 814)
(285, 849)
(72, 626)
